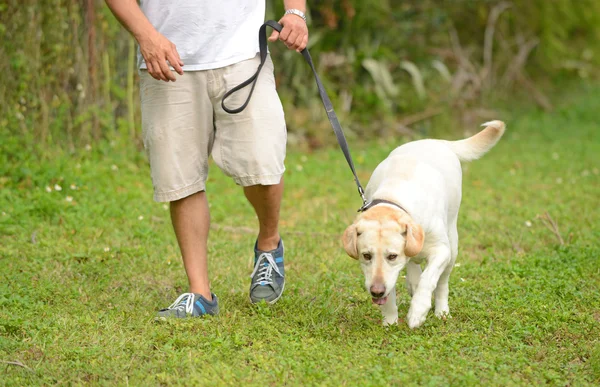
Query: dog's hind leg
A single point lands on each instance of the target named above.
(390, 309)
(413, 275)
(441, 294)
(441, 291)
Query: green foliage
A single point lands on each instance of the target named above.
(81, 278)
(67, 80)
(382, 60)
(52, 91)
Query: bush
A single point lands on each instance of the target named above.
(69, 73)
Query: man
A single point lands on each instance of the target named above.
(183, 123)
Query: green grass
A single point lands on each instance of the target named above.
(80, 280)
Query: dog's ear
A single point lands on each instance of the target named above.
(414, 239)
(349, 241)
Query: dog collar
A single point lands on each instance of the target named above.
(375, 202)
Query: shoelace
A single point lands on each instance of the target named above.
(265, 272)
(186, 300)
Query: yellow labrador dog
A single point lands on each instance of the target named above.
(413, 200)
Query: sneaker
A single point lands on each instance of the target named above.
(268, 276)
(190, 305)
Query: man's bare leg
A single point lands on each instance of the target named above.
(191, 221)
(266, 200)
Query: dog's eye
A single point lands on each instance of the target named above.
(392, 257)
(367, 256)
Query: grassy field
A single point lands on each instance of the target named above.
(86, 258)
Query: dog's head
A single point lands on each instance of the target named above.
(383, 239)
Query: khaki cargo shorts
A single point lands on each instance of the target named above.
(183, 124)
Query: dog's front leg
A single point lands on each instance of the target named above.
(421, 300)
(390, 309)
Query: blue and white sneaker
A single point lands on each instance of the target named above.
(190, 305)
(268, 279)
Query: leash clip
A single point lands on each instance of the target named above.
(364, 207)
(361, 192)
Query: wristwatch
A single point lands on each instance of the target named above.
(296, 12)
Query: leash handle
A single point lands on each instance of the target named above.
(262, 42)
(333, 120)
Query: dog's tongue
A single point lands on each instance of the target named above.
(379, 301)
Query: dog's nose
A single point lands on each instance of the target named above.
(377, 290)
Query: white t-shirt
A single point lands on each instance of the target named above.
(208, 33)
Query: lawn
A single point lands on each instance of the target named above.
(86, 258)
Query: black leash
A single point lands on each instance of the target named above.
(335, 124)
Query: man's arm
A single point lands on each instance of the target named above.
(295, 32)
(155, 48)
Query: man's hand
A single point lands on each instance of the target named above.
(294, 33)
(157, 50)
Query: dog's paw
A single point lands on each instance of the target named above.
(443, 314)
(415, 320)
(417, 313)
(392, 320)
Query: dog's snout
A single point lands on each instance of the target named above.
(377, 290)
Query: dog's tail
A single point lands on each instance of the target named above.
(476, 146)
